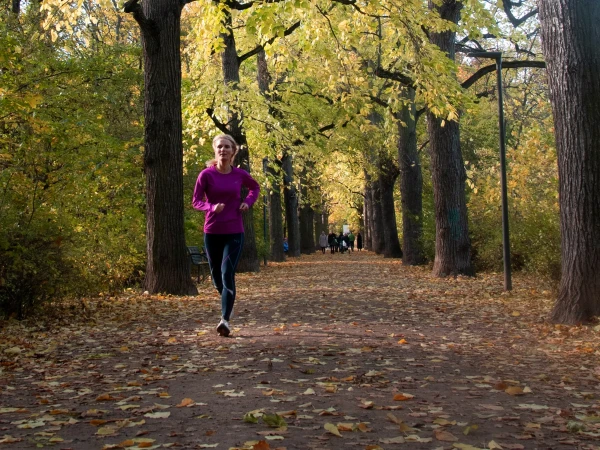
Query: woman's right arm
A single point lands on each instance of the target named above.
(198, 199)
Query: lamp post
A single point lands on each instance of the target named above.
(265, 162)
(497, 56)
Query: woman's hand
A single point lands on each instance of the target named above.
(219, 207)
(244, 207)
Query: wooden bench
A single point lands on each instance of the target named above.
(199, 259)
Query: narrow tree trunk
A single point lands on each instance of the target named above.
(231, 74)
(387, 178)
(368, 213)
(306, 215)
(16, 7)
(411, 185)
(275, 211)
(377, 236)
(570, 37)
(291, 207)
(276, 217)
(168, 265)
(452, 242)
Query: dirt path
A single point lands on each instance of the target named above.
(328, 352)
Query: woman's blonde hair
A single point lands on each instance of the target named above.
(227, 137)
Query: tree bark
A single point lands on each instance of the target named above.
(276, 216)
(168, 265)
(275, 211)
(570, 37)
(16, 7)
(452, 242)
(306, 214)
(290, 196)
(368, 213)
(306, 219)
(388, 173)
(231, 74)
(411, 185)
(377, 233)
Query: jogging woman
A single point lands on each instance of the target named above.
(218, 194)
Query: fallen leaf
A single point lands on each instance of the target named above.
(446, 436)
(332, 429)
(158, 415)
(185, 402)
(403, 397)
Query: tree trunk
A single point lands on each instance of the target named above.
(368, 213)
(411, 185)
(570, 37)
(306, 219)
(275, 211)
(387, 178)
(16, 7)
(290, 197)
(377, 233)
(168, 265)
(306, 215)
(276, 217)
(231, 73)
(452, 242)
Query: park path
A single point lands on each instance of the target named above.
(328, 351)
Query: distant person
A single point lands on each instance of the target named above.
(341, 242)
(323, 241)
(286, 246)
(359, 242)
(218, 194)
(331, 242)
(351, 240)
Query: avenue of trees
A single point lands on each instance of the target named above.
(374, 114)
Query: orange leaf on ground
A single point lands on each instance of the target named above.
(185, 402)
(442, 435)
(261, 445)
(403, 397)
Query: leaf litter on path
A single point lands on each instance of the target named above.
(311, 364)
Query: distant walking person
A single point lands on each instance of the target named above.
(359, 243)
(351, 240)
(331, 242)
(323, 241)
(218, 194)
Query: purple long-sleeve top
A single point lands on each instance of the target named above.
(213, 187)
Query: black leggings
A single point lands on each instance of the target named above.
(223, 252)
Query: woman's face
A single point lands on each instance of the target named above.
(223, 151)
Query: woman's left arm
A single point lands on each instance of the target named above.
(253, 188)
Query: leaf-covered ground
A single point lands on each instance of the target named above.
(328, 351)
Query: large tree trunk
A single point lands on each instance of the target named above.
(231, 73)
(387, 178)
(290, 197)
(168, 265)
(570, 37)
(306, 219)
(452, 242)
(411, 185)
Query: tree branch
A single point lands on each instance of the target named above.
(508, 5)
(505, 65)
(396, 76)
(220, 125)
(258, 48)
(148, 27)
